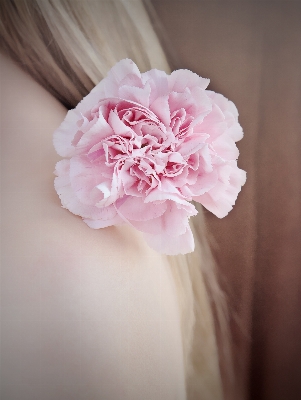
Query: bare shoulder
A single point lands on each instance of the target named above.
(29, 115)
(85, 313)
(32, 216)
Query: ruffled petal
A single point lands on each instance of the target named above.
(161, 108)
(112, 219)
(235, 132)
(158, 81)
(134, 209)
(225, 147)
(182, 78)
(125, 72)
(85, 177)
(221, 198)
(171, 245)
(173, 222)
(214, 124)
(191, 145)
(63, 136)
(202, 185)
(98, 131)
(70, 201)
(136, 94)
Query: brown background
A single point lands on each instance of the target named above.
(251, 51)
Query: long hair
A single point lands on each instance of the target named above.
(68, 46)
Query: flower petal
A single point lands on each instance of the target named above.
(161, 108)
(122, 73)
(112, 219)
(173, 222)
(136, 94)
(171, 245)
(70, 200)
(182, 78)
(85, 177)
(225, 147)
(134, 209)
(158, 81)
(221, 198)
(63, 136)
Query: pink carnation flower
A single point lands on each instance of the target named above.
(141, 146)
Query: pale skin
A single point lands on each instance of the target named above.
(86, 314)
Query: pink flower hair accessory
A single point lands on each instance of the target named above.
(141, 146)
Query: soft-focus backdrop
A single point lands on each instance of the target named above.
(251, 51)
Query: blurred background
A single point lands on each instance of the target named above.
(251, 51)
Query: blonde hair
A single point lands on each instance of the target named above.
(68, 46)
(61, 45)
